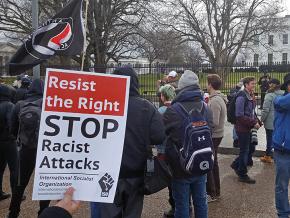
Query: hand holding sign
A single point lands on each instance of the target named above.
(68, 203)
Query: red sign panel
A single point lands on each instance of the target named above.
(85, 93)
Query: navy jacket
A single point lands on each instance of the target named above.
(281, 135)
(189, 97)
(245, 112)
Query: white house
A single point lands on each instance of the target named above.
(7, 50)
(269, 48)
(140, 64)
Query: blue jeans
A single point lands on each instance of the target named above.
(269, 134)
(282, 163)
(181, 189)
(95, 210)
(235, 136)
(241, 162)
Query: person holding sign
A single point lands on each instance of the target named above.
(144, 127)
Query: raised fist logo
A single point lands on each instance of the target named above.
(106, 183)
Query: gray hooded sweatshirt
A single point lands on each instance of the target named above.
(217, 103)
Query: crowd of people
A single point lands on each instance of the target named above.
(186, 130)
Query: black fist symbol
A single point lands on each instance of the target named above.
(106, 183)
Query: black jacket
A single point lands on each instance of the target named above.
(6, 107)
(35, 93)
(55, 212)
(20, 94)
(144, 127)
(189, 97)
(264, 83)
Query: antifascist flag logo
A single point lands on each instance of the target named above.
(60, 41)
(61, 35)
(43, 44)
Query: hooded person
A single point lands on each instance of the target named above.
(190, 97)
(27, 153)
(8, 149)
(23, 89)
(281, 145)
(144, 128)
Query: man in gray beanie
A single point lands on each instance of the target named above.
(187, 79)
(190, 98)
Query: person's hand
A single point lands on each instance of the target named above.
(67, 203)
(257, 126)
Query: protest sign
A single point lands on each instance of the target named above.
(81, 135)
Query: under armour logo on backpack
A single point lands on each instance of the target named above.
(201, 138)
(204, 165)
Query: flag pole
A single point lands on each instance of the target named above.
(36, 69)
(85, 35)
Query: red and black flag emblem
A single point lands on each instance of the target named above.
(62, 35)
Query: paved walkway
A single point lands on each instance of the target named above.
(227, 141)
(238, 200)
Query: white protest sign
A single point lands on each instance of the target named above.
(81, 135)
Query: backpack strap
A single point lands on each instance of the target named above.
(180, 109)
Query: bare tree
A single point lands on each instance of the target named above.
(222, 27)
(110, 25)
(156, 44)
(193, 54)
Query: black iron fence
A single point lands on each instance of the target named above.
(149, 75)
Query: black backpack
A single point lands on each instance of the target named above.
(231, 106)
(196, 153)
(29, 122)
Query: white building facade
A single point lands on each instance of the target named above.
(7, 50)
(270, 48)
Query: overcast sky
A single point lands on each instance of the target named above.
(287, 3)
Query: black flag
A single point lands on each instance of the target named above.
(61, 35)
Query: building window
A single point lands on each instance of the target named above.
(285, 39)
(256, 59)
(1, 61)
(270, 59)
(256, 40)
(271, 40)
(284, 58)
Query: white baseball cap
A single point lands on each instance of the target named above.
(172, 74)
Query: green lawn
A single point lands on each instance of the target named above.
(148, 81)
(9, 80)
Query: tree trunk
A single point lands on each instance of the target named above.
(100, 60)
(150, 67)
(223, 71)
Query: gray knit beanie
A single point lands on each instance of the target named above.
(188, 78)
